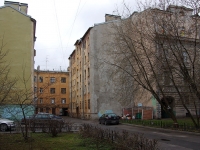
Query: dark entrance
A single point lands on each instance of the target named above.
(53, 111)
(64, 112)
(77, 111)
(168, 101)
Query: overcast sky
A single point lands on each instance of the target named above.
(61, 22)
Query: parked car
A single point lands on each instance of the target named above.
(41, 118)
(109, 118)
(6, 124)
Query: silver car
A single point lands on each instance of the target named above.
(6, 124)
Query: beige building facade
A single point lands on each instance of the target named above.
(51, 92)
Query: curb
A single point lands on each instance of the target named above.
(162, 129)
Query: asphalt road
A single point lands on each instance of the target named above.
(167, 139)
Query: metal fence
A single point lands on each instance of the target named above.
(163, 124)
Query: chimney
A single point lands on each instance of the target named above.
(13, 4)
(109, 17)
(23, 7)
(38, 68)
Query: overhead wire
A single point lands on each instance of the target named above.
(77, 11)
(59, 34)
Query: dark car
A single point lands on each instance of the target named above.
(42, 118)
(6, 124)
(109, 118)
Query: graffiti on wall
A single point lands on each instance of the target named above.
(15, 112)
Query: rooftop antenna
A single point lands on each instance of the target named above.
(46, 61)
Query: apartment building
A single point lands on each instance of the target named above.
(98, 84)
(91, 87)
(17, 37)
(52, 91)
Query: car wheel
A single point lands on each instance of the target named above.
(3, 127)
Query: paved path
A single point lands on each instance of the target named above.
(168, 139)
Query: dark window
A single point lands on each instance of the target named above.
(52, 100)
(63, 90)
(41, 90)
(52, 79)
(52, 90)
(41, 79)
(35, 79)
(88, 103)
(35, 89)
(63, 80)
(63, 100)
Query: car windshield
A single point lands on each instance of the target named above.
(112, 115)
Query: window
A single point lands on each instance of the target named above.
(182, 31)
(63, 80)
(84, 44)
(52, 100)
(63, 100)
(80, 105)
(88, 72)
(41, 90)
(35, 89)
(52, 79)
(52, 90)
(35, 79)
(88, 86)
(85, 74)
(88, 103)
(186, 99)
(41, 79)
(63, 90)
(41, 100)
(41, 109)
(167, 79)
(185, 57)
(85, 89)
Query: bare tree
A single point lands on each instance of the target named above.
(6, 84)
(158, 48)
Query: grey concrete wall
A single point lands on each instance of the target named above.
(103, 93)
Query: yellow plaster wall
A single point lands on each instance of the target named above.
(16, 32)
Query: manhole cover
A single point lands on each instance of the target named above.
(165, 140)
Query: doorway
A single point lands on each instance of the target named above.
(167, 101)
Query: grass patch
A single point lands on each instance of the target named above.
(184, 123)
(43, 141)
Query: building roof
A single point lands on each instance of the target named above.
(32, 19)
(79, 40)
(2, 7)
